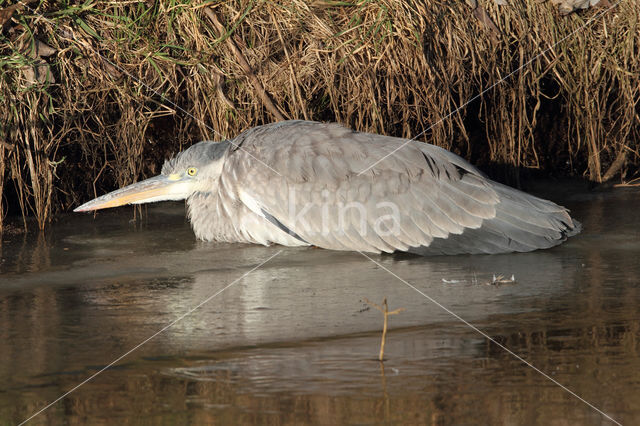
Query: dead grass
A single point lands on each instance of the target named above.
(79, 122)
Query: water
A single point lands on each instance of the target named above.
(295, 342)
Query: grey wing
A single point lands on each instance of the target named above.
(422, 198)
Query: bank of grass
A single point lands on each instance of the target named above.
(83, 85)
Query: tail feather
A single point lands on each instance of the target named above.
(522, 223)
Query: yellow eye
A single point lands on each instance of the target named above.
(191, 171)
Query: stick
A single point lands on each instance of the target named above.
(385, 313)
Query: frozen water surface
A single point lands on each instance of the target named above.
(294, 342)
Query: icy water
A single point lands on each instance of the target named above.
(293, 342)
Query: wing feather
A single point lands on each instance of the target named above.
(442, 203)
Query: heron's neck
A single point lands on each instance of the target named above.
(213, 213)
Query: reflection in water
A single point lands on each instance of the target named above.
(293, 343)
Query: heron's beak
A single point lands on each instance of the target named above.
(157, 188)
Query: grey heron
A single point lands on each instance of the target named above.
(301, 183)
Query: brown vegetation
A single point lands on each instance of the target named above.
(95, 94)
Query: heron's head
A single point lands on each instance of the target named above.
(192, 170)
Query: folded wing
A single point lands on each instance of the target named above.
(321, 189)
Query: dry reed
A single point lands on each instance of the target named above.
(77, 119)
